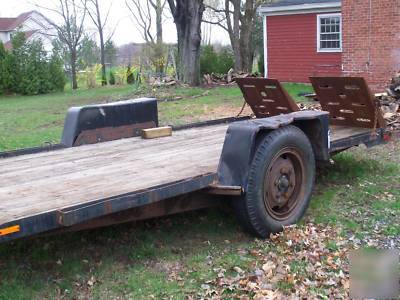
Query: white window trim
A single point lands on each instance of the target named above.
(299, 9)
(319, 33)
(265, 39)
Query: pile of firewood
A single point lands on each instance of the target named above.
(394, 88)
(310, 106)
(162, 81)
(390, 103)
(224, 79)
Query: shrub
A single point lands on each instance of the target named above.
(3, 69)
(213, 62)
(157, 54)
(27, 69)
(130, 76)
(112, 78)
(91, 75)
(208, 60)
(6, 71)
(225, 60)
(31, 75)
(57, 75)
(260, 64)
(120, 76)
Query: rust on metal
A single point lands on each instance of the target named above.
(170, 206)
(105, 134)
(266, 97)
(349, 101)
(217, 189)
(283, 184)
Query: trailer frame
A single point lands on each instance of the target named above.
(231, 177)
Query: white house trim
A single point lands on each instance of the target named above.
(265, 46)
(300, 9)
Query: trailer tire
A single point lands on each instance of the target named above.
(280, 182)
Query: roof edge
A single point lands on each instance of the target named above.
(299, 9)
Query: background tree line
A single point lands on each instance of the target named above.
(237, 17)
(76, 48)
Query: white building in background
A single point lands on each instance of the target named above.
(33, 24)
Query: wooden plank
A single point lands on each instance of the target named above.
(43, 182)
(152, 133)
(14, 176)
(342, 132)
(101, 149)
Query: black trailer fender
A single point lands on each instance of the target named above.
(242, 139)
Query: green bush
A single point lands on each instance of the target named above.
(112, 78)
(130, 76)
(27, 69)
(213, 62)
(57, 75)
(3, 69)
(208, 60)
(260, 64)
(225, 60)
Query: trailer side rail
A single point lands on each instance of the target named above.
(52, 220)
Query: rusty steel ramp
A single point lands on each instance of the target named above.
(349, 101)
(266, 97)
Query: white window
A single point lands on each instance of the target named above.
(329, 30)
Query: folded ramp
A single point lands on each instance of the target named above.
(266, 97)
(349, 101)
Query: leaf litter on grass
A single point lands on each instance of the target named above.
(301, 262)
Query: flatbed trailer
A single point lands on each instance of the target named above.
(71, 187)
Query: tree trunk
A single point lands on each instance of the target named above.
(240, 26)
(246, 43)
(73, 69)
(159, 12)
(102, 59)
(102, 52)
(187, 17)
(159, 40)
(234, 30)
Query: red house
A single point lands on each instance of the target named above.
(304, 38)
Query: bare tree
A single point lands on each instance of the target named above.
(70, 30)
(94, 12)
(238, 18)
(143, 13)
(188, 16)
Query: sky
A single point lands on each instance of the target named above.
(120, 19)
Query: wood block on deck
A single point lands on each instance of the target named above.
(152, 133)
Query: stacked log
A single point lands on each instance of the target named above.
(225, 79)
(390, 103)
(394, 88)
(162, 81)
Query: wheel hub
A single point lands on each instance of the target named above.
(282, 182)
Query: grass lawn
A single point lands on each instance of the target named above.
(27, 121)
(204, 254)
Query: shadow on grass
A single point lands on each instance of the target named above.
(63, 262)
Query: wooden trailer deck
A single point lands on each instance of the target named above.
(53, 181)
(32, 184)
